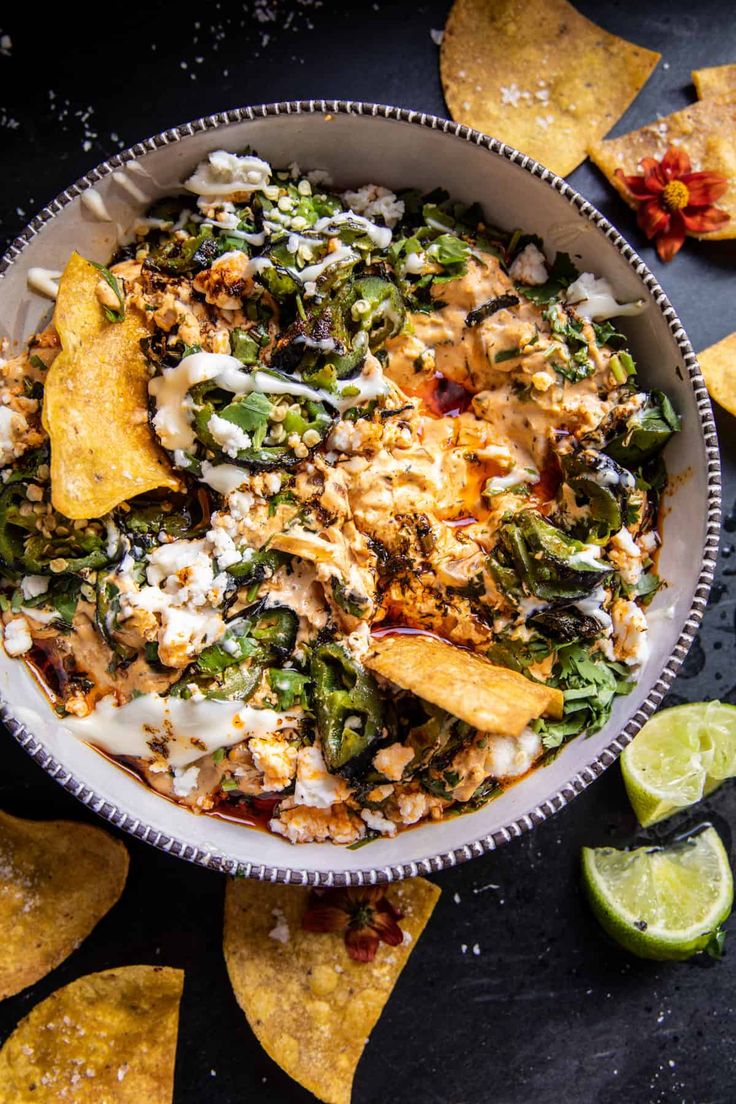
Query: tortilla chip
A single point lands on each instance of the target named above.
(538, 75)
(107, 1038)
(492, 699)
(310, 1006)
(103, 451)
(718, 364)
(57, 881)
(715, 80)
(707, 132)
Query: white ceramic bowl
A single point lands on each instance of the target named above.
(358, 143)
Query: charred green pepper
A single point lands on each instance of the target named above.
(631, 437)
(264, 434)
(604, 487)
(347, 704)
(534, 556)
(232, 667)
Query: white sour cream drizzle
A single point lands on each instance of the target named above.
(43, 281)
(128, 186)
(172, 420)
(177, 729)
(95, 204)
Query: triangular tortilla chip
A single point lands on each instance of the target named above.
(107, 1038)
(718, 363)
(538, 75)
(716, 80)
(492, 699)
(309, 1004)
(57, 881)
(706, 131)
(103, 450)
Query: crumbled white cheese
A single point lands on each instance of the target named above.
(378, 822)
(33, 585)
(530, 267)
(374, 201)
(12, 427)
(185, 780)
(17, 637)
(276, 759)
(593, 298)
(509, 756)
(630, 632)
(229, 436)
(392, 760)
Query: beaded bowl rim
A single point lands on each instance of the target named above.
(123, 820)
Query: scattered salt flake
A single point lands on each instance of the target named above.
(436, 36)
(407, 937)
(464, 948)
(457, 898)
(122, 1070)
(476, 948)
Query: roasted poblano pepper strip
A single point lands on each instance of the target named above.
(177, 258)
(231, 668)
(362, 315)
(250, 413)
(347, 704)
(544, 561)
(604, 486)
(633, 438)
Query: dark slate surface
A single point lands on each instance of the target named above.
(548, 1009)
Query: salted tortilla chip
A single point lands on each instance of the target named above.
(492, 699)
(715, 80)
(310, 1006)
(57, 881)
(706, 131)
(103, 451)
(107, 1038)
(718, 364)
(538, 75)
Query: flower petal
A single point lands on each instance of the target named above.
(675, 163)
(387, 929)
(670, 240)
(704, 187)
(653, 175)
(703, 220)
(635, 185)
(361, 943)
(325, 918)
(653, 218)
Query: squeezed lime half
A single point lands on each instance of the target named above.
(661, 902)
(680, 755)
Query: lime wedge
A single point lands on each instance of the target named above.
(663, 903)
(680, 754)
